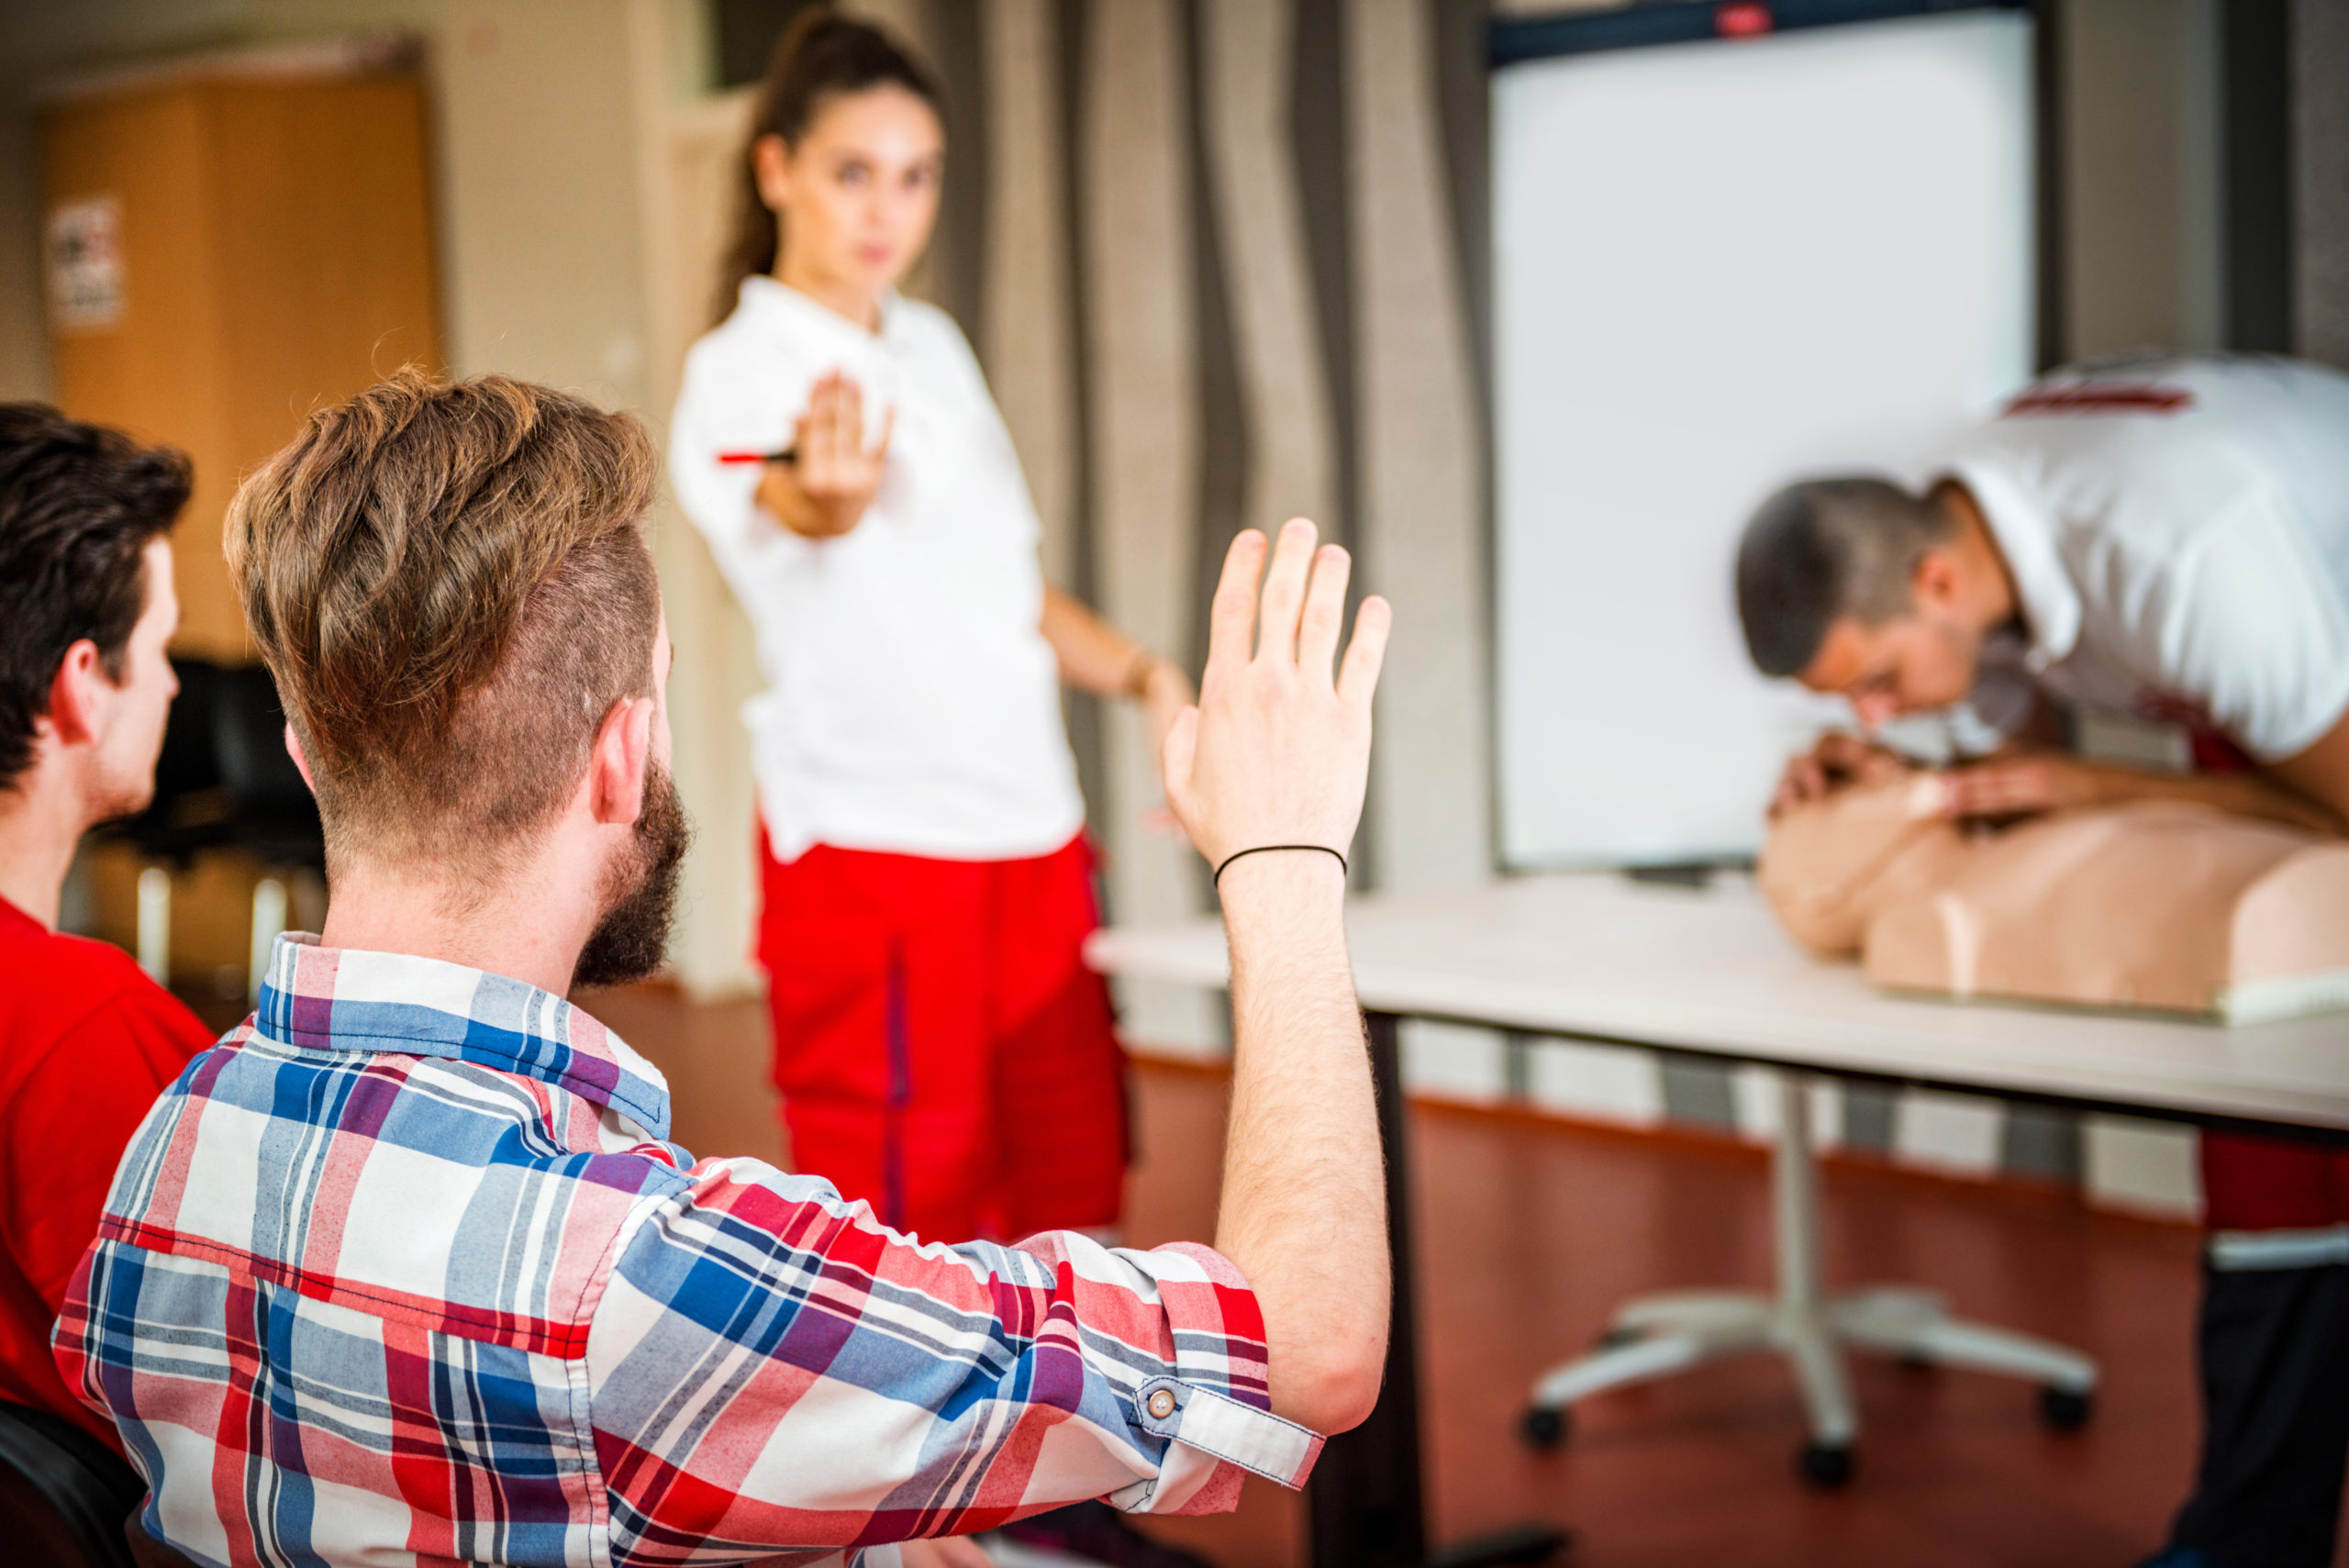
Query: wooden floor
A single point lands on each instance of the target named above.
(1530, 1229)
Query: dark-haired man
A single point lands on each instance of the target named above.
(405, 1266)
(86, 1040)
(2163, 540)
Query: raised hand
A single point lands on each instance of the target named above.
(1277, 752)
(833, 477)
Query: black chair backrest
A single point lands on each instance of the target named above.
(272, 812)
(188, 764)
(248, 737)
(64, 1494)
(177, 824)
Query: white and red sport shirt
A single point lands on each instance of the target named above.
(2178, 534)
(912, 706)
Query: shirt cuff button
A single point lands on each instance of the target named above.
(1161, 1404)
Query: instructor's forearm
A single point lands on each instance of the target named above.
(1304, 1210)
(1093, 655)
(2241, 795)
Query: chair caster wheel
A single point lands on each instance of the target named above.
(1824, 1465)
(1542, 1428)
(2066, 1410)
(1616, 1336)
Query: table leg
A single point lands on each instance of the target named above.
(1366, 1496)
(1805, 1328)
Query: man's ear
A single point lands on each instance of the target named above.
(1936, 583)
(616, 766)
(76, 710)
(301, 763)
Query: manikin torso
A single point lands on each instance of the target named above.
(2164, 906)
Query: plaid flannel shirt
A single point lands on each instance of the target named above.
(405, 1270)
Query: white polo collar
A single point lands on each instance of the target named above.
(2025, 535)
(763, 296)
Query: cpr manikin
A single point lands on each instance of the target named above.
(2168, 906)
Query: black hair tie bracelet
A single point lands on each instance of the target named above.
(1268, 849)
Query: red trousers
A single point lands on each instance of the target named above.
(942, 1052)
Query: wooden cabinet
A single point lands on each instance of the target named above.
(273, 250)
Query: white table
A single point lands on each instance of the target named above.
(1598, 957)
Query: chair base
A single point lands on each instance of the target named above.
(1658, 1336)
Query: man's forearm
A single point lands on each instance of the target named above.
(2241, 795)
(1304, 1210)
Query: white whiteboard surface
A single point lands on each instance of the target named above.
(1718, 267)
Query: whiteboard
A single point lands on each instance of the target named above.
(1718, 266)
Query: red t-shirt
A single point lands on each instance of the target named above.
(87, 1043)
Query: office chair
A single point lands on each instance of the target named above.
(184, 818)
(64, 1494)
(269, 809)
(270, 812)
(224, 780)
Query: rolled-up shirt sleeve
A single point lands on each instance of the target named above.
(770, 1368)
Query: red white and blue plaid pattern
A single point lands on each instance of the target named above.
(404, 1270)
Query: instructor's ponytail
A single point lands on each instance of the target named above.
(820, 56)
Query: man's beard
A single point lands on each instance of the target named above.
(631, 939)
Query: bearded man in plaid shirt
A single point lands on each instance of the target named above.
(405, 1268)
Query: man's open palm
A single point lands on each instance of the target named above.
(1277, 752)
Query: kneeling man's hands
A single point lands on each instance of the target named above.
(1836, 761)
(2019, 786)
(1277, 752)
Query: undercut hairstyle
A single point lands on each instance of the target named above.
(79, 504)
(1827, 549)
(822, 55)
(451, 586)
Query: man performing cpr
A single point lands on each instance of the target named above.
(2159, 540)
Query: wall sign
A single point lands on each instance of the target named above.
(84, 246)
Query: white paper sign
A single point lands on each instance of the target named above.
(85, 254)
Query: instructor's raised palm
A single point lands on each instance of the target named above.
(833, 476)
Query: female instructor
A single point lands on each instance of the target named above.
(941, 1049)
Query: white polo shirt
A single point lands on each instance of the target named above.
(911, 703)
(2179, 535)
